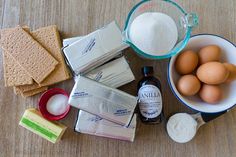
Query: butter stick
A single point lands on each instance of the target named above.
(33, 121)
(98, 99)
(94, 125)
(94, 49)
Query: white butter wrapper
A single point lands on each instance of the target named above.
(108, 103)
(113, 74)
(94, 49)
(94, 125)
(69, 41)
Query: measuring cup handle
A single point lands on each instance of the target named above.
(206, 117)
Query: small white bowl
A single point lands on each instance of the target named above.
(229, 90)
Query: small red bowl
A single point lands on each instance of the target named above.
(43, 102)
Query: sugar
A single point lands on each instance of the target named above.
(57, 104)
(154, 33)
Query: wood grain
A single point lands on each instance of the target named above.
(79, 17)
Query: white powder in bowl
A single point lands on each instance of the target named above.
(57, 104)
(181, 127)
(154, 33)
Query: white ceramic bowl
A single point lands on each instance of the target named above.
(229, 90)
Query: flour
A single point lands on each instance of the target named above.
(181, 127)
(154, 33)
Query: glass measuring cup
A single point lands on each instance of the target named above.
(183, 20)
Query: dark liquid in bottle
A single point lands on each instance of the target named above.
(150, 99)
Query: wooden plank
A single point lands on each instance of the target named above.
(80, 17)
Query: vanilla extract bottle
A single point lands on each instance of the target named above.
(149, 97)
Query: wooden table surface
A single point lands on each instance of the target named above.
(79, 17)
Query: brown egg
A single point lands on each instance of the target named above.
(232, 72)
(212, 73)
(210, 93)
(209, 54)
(186, 62)
(188, 85)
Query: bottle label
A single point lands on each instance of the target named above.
(150, 101)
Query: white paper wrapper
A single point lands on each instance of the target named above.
(91, 124)
(113, 74)
(94, 49)
(108, 103)
(69, 41)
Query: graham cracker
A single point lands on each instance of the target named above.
(16, 91)
(34, 92)
(14, 74)
(29, 54)
(49, 38)
(25, 88)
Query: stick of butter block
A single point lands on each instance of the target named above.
(98, 99)
(68, 41)
(94, 125)
(94, 49)
(113, 74)
(33, 121)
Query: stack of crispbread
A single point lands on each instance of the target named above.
(32, 61)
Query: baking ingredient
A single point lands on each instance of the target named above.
(149, 95)
(232, 72)
(33, 92)
(181, 127)
(95, 49)
(69, 41)
(209, 53)
(106, 102)
(154, 33)
(186, 62)
(188, 85)
(94, 125)
(113, 74)
(57, 104)
(49, 38)
(210, 93)
(34, 58)
(16, 75)
(33, 121)
(212, 73)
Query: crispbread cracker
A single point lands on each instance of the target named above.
(16, 91)
(34, 92)
(26, 88)
(49, 38)
(14, 74)
(29, 54)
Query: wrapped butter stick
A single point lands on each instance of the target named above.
(94, 49)
(103, 101)
(91, 124)
(113, 74)
(68, 41)
(35, 122)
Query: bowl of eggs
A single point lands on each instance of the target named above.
(203, 75)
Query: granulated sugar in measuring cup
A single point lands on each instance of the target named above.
(158, 29)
